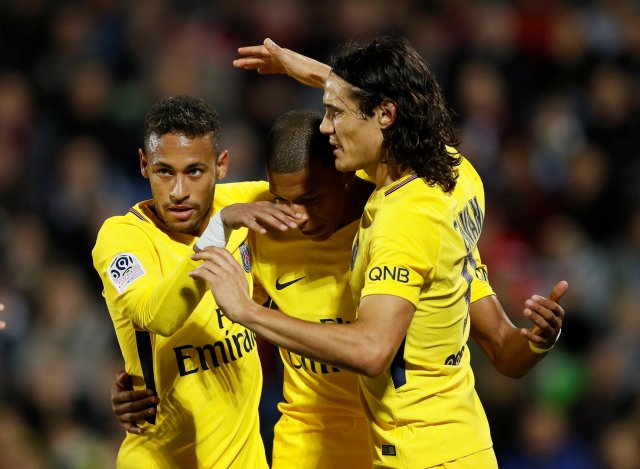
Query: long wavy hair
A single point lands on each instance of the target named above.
(422, 136)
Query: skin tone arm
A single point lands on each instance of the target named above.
(504, 344)
(271, 59)
(508, 346)
(382, 323)
(2, 323)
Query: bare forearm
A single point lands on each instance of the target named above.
(515, 358)
(346, 346)
(316, 73)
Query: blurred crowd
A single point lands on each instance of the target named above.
(547, 99)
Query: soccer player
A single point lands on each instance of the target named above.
(204, 369)
(413, 264)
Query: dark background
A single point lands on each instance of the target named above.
(547, 101)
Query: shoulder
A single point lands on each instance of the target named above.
(122, 230)
(240, 192)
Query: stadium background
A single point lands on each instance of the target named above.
(547, 101)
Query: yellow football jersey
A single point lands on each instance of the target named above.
(418, 243)
(322, 423)
(204, 368)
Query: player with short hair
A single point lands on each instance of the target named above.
(175, 342)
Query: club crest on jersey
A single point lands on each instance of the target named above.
(246, 258)
(123, 270)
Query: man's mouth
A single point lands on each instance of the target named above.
(181, 212)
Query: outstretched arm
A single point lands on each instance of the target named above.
(514, 351)
(271, 59)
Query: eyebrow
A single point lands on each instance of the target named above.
(162, 164)
(309, 194)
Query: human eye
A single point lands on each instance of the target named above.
(195, 172)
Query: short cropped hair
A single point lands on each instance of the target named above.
(389, 68)
(190, 116)
(295, 142)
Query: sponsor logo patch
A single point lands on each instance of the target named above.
(124, 269)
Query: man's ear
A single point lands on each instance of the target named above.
(144, 163)
(222, 165)
(386, 113)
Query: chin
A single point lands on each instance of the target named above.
(342, 166)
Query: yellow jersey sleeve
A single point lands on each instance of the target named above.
(126, 260)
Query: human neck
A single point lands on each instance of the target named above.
(383, 174)
(358, 192)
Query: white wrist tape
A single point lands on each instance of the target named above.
(215, 234)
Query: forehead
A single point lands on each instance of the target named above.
(294, 185)
(336, 91)
(175, 145)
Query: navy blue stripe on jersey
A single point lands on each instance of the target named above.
(400, 184)
(137, 214)
(398, 368)
(145, 355)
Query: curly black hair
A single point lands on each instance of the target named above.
(422, 136)
(190, 116)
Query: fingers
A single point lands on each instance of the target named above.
(250, 63)
(219, 256)
(254, 51)
(558, 291)
(547, 317)
(129, 405)
(136, 405)
(123, 380)
(218, 264)
(132, 428)
(279, 216)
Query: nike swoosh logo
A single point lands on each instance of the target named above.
(280, 286)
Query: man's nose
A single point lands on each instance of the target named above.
(180, 190)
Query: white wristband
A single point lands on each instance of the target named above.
(537, 350)
(215, 234)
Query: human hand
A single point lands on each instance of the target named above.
(260, 216)
(130, 406)
(2, 323)
(227, 281)
(271, 59)
(547, 316)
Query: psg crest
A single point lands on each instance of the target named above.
(246, 258)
